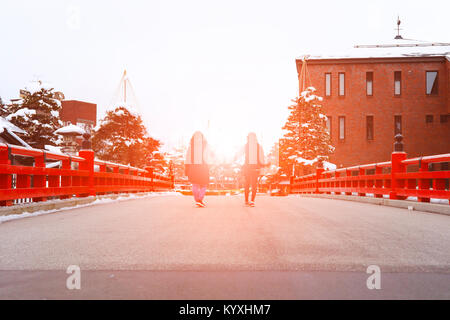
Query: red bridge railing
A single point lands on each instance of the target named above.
(78, 176)
(399, 178)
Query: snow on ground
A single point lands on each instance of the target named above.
(121, 198)
(412, 199)
(438, 201)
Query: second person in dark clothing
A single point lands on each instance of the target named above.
(254, 161)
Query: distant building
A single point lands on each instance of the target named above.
(79, 113)
(373, 92)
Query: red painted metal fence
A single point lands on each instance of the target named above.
(399, 178)
(78, 176)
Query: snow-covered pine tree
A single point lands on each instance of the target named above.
(122, 137)
(286, 157)
(306, 138)
(38, 114)
(3, 109)
(160, 163)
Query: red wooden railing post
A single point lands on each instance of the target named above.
(125, 180)
(397, 167)
(348, 182)
(5, 179)
(88, 155)
(88, 165)
(141, 182)
(134, 181)
(40, 180)
(378, 182)
(150, 174)
(424, 184)
(362, 182)
(116, 181)
(439, 184)
(319, 171)
(328, 184)
(103, 181)
(54, 181)
(291, 184)
(337, 183)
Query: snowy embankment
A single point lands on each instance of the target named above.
(120, 198)
(413, 199)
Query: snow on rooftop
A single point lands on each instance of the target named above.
(5, 124)
(23, 143)
(70, 129)
(396, 48)
(12, 130)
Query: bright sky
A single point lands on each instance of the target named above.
(231, 63)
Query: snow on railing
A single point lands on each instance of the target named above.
(400, 179)
(76, 177)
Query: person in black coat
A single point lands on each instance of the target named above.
(197, 162)
(251, 169)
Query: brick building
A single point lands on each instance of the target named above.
(372, 92)
(82, 114)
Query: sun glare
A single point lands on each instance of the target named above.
(226, 136)
(225, 144)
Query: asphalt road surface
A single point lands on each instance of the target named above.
(285, 248)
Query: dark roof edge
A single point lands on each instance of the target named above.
(374, 60)
(78, 101)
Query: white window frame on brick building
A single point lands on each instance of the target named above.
(432, 82)
(370, 127)
(398, 126)
(341, 84)
(342, 128)
(397, 83)
(328, 84)
(369, 83)
(329, 124)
